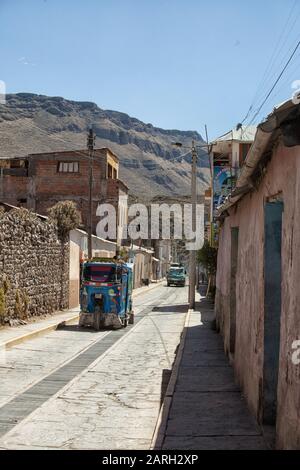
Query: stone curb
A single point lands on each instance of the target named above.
(162, 420)
(41, 331)
(46, 329)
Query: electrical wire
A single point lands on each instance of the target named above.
(277, 49)
(274, 85)
(272, 60)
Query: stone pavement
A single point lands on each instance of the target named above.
(206, 408)
(108, 395)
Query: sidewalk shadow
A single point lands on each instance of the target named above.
(174, 308)
(202, 289)
(204, 405)
(203, 370)
(85, 329)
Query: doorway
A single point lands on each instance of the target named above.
(272, 311)
(233, 271)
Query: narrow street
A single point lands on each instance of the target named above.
(77, 388)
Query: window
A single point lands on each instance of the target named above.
(99, 273)
(109, 171)
(68, 167)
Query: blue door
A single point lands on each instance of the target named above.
(272, 311)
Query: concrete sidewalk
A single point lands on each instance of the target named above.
(204, 408)
(10, 336)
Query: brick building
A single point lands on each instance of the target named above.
(40, 180)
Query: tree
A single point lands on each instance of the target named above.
(66, 217)
(207, 256)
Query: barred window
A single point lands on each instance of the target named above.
(68, 167)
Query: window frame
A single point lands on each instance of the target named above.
(64, 167)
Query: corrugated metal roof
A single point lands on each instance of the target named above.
(244, 134)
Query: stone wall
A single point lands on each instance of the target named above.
(34, 267)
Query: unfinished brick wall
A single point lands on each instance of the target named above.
(34, 267)
(44, 186)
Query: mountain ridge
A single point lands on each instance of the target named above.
(32, 123)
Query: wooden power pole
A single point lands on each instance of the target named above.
(90, 145)
(192, 267)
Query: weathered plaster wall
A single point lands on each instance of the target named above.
(223, 283)
(282, 178)
(288, 422)
(35, 263)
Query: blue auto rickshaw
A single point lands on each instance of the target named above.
(106, 294)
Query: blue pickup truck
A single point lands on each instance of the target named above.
(176, 276)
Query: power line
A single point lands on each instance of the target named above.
(275, 83)
(277, 49)
(284, 58)
(272, 60)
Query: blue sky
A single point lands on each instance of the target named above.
(174, 63)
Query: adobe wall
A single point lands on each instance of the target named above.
(282, 176)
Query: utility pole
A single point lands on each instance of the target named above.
(90, 145)
(192, 256)
(192, 268)
(211, 166)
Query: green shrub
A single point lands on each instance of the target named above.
(207, 256)
(22, 304)
(65, 216)
(4, 287)
(2, 302)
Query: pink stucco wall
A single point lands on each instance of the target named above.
(282, 176)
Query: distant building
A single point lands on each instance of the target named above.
(207, 213)
(228, 153)
(40, 180)
(163, 250)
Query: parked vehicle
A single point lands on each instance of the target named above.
(106, 294)
(176, 276)
(175, 265)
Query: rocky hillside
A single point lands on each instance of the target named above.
(32, 123)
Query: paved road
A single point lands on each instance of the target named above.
(79, 389)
